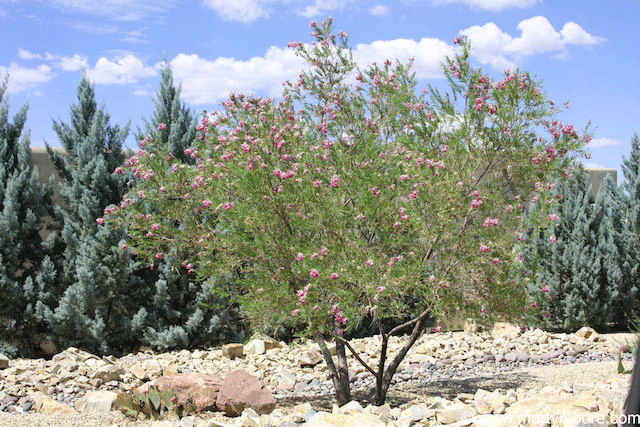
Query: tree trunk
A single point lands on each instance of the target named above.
(383, 379)
(339, 373)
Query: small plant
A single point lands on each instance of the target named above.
(153, 404)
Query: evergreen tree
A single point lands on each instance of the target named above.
(100, 286)
(617, 244)
(180, 122)
(24, 203)
(569, 263)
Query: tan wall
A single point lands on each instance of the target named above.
(596, 178)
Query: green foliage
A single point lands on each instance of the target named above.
(350, 199)
(24, 204)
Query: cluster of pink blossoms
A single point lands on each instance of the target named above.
(338, 315)
(490, 221)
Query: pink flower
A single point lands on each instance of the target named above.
(300, 256)
(369, 263)
(314, 273)
(314, 255)
(495, 261)
(316, 183)
(335, 179)
(159, 255)
(436, 329)
(552, 239)
(534, 304)
(374, 191)
(100, 221)
(162, 126)
(548, 315)
(553, 217)
(334, 276)
(379, 289)
(295, 312)
(206, 203)
(484, 248)
(545, 287)
(155, 226)
(323, 252)
(396, 225)
(123, 246)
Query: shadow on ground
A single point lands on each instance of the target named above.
(416, 390)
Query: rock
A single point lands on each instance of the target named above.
(242, 390)
(4, 361)
(310, 358)
(325, 419)
(415, 413)
(108, 373)
(46, 405)
(138, 371)
(232, 351)
(454, 412)
(505, 329)
(96, 401)
(350, 408)
(256, 346)
(587, 333)
(202, 389)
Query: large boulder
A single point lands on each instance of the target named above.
(200, 389)
(242, 390)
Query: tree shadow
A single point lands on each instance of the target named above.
(416, 390)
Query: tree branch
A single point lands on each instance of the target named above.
(357, 356)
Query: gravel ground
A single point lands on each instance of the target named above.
(529, 378)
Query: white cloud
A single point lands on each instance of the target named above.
(379, 10)
(574, 34)
(603, 142)
(493, 5)
(21, 78)
(428, 54)
(136, 36)
(207, 82)
(320, 7)
(141, 92)
(490, 45)
(66, 63)
(92, 28)
(125, 70)
(123, 10)
(74, 63)
(244, 11)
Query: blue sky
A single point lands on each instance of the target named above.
(584, 50)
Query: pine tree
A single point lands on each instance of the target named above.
(180, 122)
(101, 288)
(24, 204)
(618, 246)
(570, 277)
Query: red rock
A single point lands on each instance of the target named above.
(201, 388)
(242, 390)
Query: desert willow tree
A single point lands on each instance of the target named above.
(355, 195)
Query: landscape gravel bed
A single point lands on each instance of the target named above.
(441, 370)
